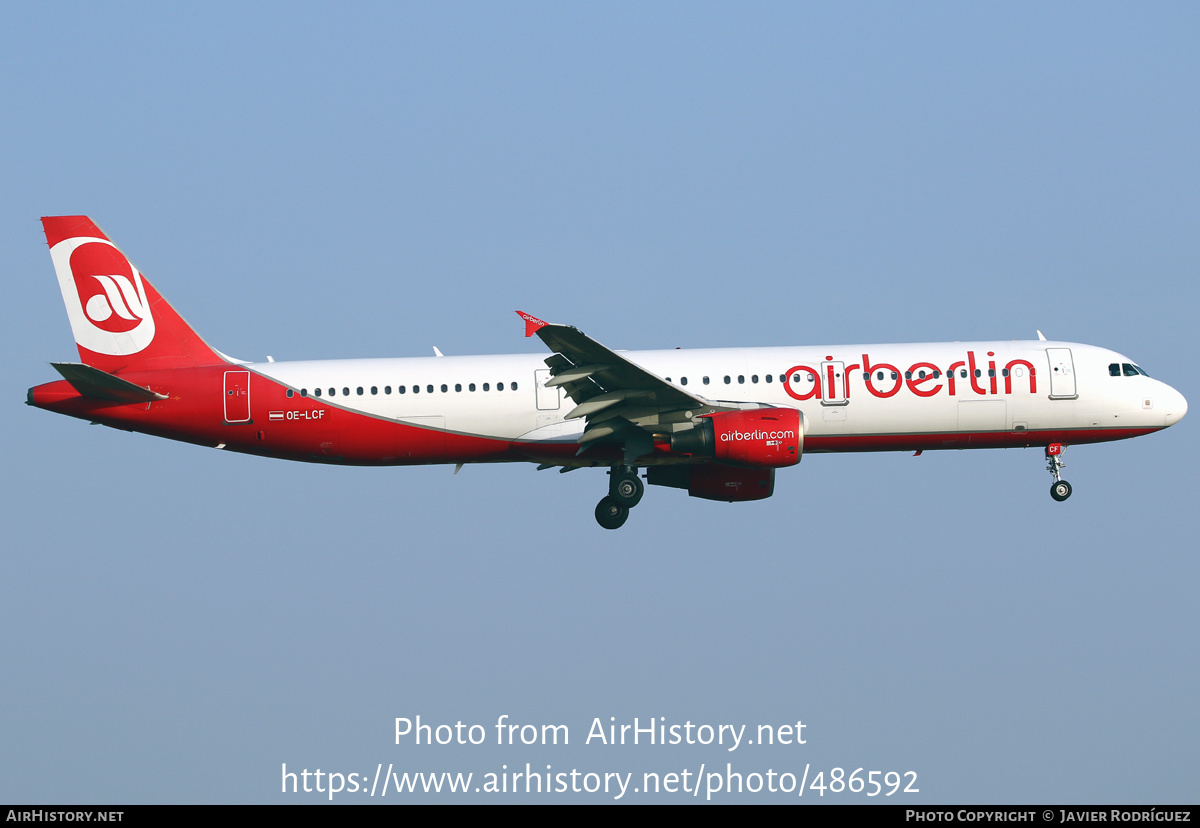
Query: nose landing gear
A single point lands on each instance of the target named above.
(1060, 489)
(625, 490)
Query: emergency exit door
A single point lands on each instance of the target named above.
(834, 381)
(548, 399)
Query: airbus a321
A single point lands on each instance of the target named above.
(718, 422)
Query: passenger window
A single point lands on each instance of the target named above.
(333, 392)
(303, 392)
(458, 386)
(400, 389)
(706, 380)
(908, 375)
(499, 386)
(487, 387)
(471, 387)
(727, 379)
(991, 372)
(978, 373)
(512, 386)
(768, 377)
(387, 389)
(291, 393)
(346, 392)
(444, 388)
(1004, 372)
(360, 391)
(741, 379)
(963, 373)
(428, 389)
(683, 380)
(1114, 369)
(416, 389)
(374, 390)
(317, 391)
(879, 376)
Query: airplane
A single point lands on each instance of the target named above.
(716, 422)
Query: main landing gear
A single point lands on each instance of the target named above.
(625, 490)
(1060, 489)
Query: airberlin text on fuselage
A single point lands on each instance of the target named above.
(923, 379)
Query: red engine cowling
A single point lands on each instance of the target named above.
(714, 482)
(758, 438)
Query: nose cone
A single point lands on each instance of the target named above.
(1174, 406)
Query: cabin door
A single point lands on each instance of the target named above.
(1062, 374)
(237, 396)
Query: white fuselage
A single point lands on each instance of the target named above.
(1011, 387)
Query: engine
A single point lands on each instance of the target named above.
(758, 438)
(742, 450)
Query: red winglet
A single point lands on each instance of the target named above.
(532, 323)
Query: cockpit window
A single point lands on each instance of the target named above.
(1127, 369)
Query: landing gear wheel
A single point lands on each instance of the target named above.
(626, 489)
(1060, 490)
(610, 514)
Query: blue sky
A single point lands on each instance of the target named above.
(384, 178)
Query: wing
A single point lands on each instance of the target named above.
(623, 403)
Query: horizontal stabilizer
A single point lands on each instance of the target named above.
(94, 383)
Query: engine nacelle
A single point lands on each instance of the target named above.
(757, 438)
(714, 482)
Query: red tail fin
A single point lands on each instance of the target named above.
(119, 320)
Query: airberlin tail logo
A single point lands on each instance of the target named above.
(105, 296)
(116, 307)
